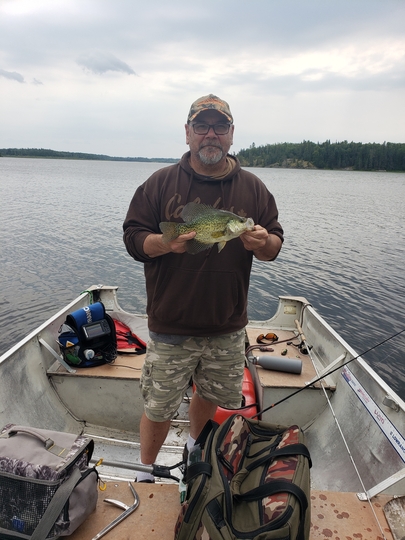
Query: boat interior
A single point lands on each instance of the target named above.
(351, 482)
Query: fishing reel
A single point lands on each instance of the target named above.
(303, 348)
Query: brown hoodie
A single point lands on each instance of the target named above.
(203, 294)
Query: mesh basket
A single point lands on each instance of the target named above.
(23, 502)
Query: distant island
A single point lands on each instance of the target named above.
(338, 156)
(305, 155)
(45, 153)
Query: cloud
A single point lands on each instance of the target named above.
(100, 62)
(290, 70)
(13, 75)
(318, 81)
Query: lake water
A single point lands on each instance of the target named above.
(61, 231)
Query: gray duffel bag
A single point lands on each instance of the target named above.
(47, 488)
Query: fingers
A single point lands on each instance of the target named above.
(255, 239)
(178, 245)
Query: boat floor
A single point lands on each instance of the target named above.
(335, 515)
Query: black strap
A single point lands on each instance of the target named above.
(195, 469)
(209, 427)
(215, 511)
(278, 486)
(289, 450)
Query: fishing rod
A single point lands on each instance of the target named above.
(327, 373)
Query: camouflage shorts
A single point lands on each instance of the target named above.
(215, 364)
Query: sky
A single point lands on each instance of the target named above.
(117, 77)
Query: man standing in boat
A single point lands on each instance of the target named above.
(197, 302)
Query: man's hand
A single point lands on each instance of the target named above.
(265, 246)
(154, 246)
(178, 245)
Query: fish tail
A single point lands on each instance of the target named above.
(169, 230)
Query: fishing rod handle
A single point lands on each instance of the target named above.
(300, 331)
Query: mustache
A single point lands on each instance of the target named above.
(216, 144)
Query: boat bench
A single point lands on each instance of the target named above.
(271, 378)
(81, 391)
(128, 366)
(333, 514)
(125, 366)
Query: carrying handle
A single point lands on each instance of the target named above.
(48, 443)
(295, 450)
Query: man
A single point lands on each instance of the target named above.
(197, 304)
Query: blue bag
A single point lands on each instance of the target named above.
(88, 337)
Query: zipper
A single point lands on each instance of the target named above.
(222, 459)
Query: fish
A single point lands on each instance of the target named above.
(212, 226)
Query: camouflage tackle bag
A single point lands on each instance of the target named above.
(246, 479)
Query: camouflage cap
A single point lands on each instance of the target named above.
(210, 102)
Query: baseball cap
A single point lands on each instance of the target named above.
(210, 102)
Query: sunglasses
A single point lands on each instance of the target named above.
(266, 337)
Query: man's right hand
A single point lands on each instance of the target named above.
(154, 246)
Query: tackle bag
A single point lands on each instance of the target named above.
(88, 337)
(46, 487)
(246, 479)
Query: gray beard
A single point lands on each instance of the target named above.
(210, 158)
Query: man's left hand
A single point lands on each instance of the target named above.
(265, 246)
(255, 239)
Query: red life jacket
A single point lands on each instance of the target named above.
(127, 341)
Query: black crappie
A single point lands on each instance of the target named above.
(211, 225)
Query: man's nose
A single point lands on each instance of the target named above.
(211, 128)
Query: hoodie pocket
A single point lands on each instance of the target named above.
(196, 299)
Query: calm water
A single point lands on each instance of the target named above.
(61, 231)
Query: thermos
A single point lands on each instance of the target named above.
(278, 363)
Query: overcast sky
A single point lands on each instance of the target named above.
(117, 77)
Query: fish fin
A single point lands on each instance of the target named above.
(221, 246)
(169, 230)
(218, 234)
(194, 246)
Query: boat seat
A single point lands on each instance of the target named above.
(333, 514)
(125, 366)
(128, 366)
(278, 379)
(81, 391)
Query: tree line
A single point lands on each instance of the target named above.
(55, 154)
(340, 155)
(326, 155)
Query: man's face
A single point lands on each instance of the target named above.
(209, 149)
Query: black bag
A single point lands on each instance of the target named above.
(46, 487)
(88, 337)
(247, 479)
